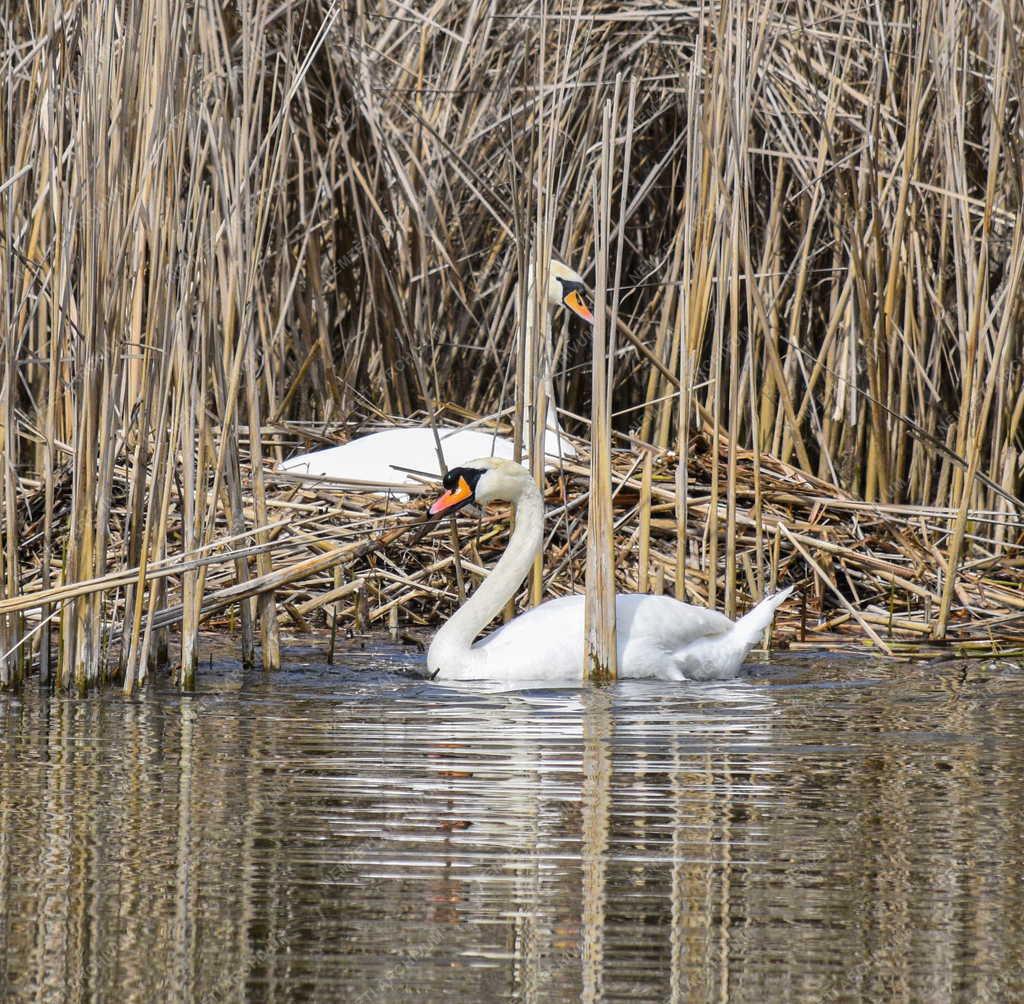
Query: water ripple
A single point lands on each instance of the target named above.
(823, 829)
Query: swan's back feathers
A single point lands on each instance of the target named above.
(657, 636)
(379, 456)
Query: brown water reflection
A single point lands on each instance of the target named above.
(826, 831)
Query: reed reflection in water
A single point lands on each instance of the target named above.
(825, 831)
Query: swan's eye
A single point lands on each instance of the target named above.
(451, 479)
(457, 475)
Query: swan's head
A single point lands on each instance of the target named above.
(566, 288)
(489, 479)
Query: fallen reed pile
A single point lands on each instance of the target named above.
(219, 218)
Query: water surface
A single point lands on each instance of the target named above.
(826, 829)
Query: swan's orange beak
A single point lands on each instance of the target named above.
(575, 303)
(454, 499)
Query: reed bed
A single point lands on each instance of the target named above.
(233, 230)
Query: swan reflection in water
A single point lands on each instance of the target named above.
(629, 786)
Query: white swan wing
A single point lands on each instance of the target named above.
(375, 457)
(658, 634)
(654, 634)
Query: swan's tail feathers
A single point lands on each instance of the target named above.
(751, 625)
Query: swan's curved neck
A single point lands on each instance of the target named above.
(538, 384)
(451, 652)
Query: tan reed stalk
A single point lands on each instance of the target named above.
(979, 423)
(270, 642)
(137, 659)
(600, 662)
(690, 313)
(734, 193)
(536, 351)
(978, 392)
(11, 625)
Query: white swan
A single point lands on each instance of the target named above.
(374, 458)
(658, 636)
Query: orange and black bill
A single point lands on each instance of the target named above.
(575, 303)
(453, 499)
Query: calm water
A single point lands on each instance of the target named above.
(824, 830)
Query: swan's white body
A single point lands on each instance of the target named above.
(657, 636)
(377, 457)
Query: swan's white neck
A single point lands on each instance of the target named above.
(539, 386)
(451, 652)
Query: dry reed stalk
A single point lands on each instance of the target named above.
(600, 660)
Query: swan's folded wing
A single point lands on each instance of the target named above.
(668, 621)
(547, 641)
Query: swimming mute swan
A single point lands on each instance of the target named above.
(658, 636)
(374, 458)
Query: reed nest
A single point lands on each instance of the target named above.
(864, 571)
(233, 230)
